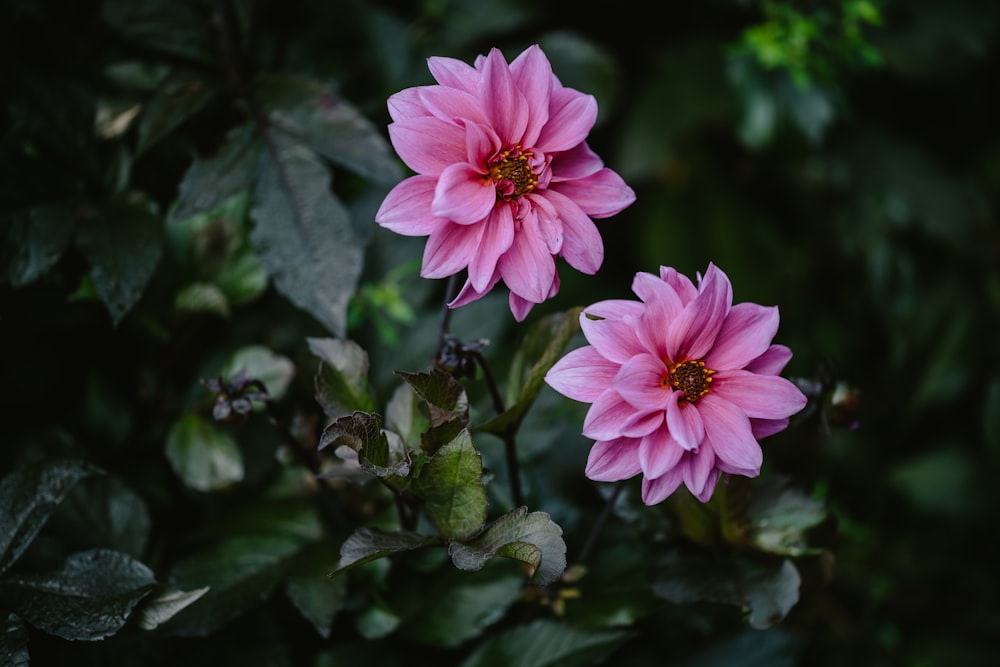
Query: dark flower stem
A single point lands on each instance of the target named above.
(598, 526)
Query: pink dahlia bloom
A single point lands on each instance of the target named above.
(682, 384)
(504, 179)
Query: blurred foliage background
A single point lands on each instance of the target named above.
(838, 158)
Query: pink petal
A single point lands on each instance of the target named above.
(606, 415)
(428, 145)
(692, 334)
(462, 195)
(642, 424)
(467, 294)
(453, 73)
(450, 105)
(760, 396)
(571, 117)
(745, 335)
(519, 307)
(549, 224)
(615, 309)
(406, 209)
(638, 382)
(728, 430)
(450, 249)
(497, 239)
(685, 422)
(772, 362)
(481, 142)
(577, 162)
(709, 487)
(583, 247)
(659, 453)
(582, 374)
(503, 103)
(682, 284)
(657, 490)
(406, 104)
(762, 428)
(527, 267)
(614, 339)
(613, 460)
(661, 306)
(600, 195)
(533, 76)
(697, 472)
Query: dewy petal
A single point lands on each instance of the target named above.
(496, 240)
(582, 375)
(450, 105)
(614, 339)
(638, 382)
(772, 362)
(759, 396)
(572, 114)
(577, 162)
(533, 76)
(527, 267)
(428, 145)
(583, 247)
(450, 249)
(462, 195)
(605, 416)
(613, 460)
(745, 335)
(659, 452)
(600, 195)
(503, 103)
(657, 490)
(692, 334)
(727, 428)
(406, 209)
(453, 73)
(685, 422)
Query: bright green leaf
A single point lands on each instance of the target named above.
(204, 456)
(303, 234)
(532, 538)
(28, 496)
(342, 379)
(90, 597)
(451, 486)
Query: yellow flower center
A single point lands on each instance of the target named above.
(690, 377)
(511, 167)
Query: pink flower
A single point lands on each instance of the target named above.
(505, 180)
(682, 384)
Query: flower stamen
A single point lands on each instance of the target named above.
(512, 173)
(690, 377)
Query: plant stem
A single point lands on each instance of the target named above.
(509, 435)
(598, 526)
(449, 294)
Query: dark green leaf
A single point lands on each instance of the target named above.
(240, 573)
(35, 240)
(781, 515)
(542, 348)
(315, 116)
(89, 598)
(13, 642)
(204, 456)
(451, 486)
(258, 362)
(162, 25)
(546, 643)
(175, 101)
(766, 591)
(303, 234)
(362, 432)
(531, 538)
(750, 648)
(368, 544)
(163, 605)
(28, 497)
(209, 182)
(402, 416)
(102, 512)
(442, 392)
(342, 379)
(123, 246)
(317, 596)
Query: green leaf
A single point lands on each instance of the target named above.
(303, 234)
(35, 240)
(211, 181)
(161, 606)
(202, 298)
(451, 486)
(123, 247)
(362, 432)
(261, 363)
(766, 591)
(102, 512)
(750, 648)
(541, 349)
(781, 515)
(13, 642)
(317, 596)
(175, 101)
(342, 379)
(240, 573)
(28, 497)
(532, 538)
(368, 544)
(446, 405)
(204, 456)
(402, 416)
(162, 25)
(90, 597)
(312, 114)
(546, 643)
